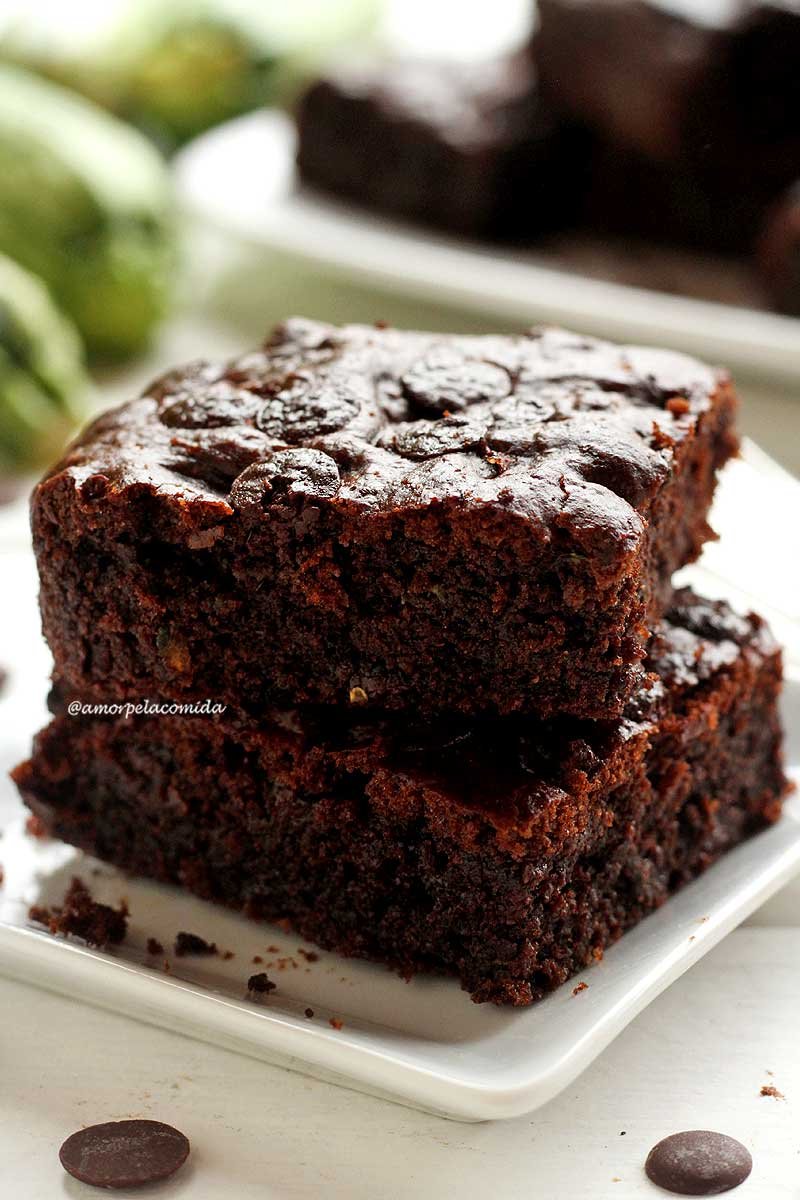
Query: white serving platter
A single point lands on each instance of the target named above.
(240, 179)
(422, 1043)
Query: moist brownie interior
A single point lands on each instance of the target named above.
(508, 853)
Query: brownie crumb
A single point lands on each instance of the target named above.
(260, 984)
(227, 955)
(581, 987)
(2, 876)
(769, 1089)
(335, 1023)
(154, 947)
(190, 943)
(309, 1013)
(35, 827)
(257, 959)
(81, 916)
(309, 955)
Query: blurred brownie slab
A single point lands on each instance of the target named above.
(778, 252)
(507, 853)
(389, 519)
(632, 196)
(470, 148)
(713, 89)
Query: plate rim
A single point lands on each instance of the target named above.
(379, 251)
(72, 969)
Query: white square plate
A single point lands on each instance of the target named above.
(423, 1043)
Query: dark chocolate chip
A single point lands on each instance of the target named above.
(445, 381)
(428, 439)
(698, 1162)
(309, 408)
(288, 472)
(203, 406)
(121, 1154)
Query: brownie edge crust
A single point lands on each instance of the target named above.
(507, 853)
(400, 520)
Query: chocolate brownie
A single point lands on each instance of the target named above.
(778, 252)
(506, 852)
(715, 89)
(467, 147)
(633, 196)
(389, 519)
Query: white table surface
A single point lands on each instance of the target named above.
(697, 1057)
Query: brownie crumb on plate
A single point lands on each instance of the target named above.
(34, 827)
(260, 983)
(192, 944)
(80, 916)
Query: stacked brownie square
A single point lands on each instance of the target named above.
(468, 726)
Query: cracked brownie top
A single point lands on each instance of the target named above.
(550, 424)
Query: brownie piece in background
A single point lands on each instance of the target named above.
(467, 147)
(508, 853)
(778, 252)
(391, 519)
(696, 118)
(712, 88)
(669, 204)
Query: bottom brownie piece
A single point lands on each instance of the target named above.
(508, 853)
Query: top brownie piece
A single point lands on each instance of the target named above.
(387, 519)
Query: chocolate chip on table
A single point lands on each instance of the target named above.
(123, 1154)
(698, 1162)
